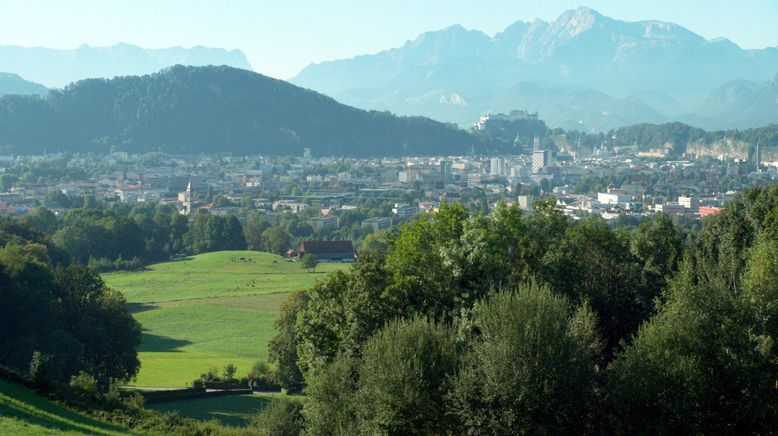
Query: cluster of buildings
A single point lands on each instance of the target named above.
(490, 121)
(637, 185)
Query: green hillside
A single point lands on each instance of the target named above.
(215, 275)
(22, 412)
(209, 310)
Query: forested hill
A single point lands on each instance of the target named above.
(211, 109)
(682, 138)
(13, 84)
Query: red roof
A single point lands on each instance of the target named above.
(314, 247)
(708, 210)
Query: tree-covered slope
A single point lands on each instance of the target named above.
(211, 109)
(13, 84)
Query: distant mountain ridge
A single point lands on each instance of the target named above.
(209, 110)
(739, 103)
(57, 68)
(582, 49)
(13, 84)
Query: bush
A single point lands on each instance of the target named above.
(262, 377)
(83, 388)
(229, 371)
(39, 369)
(281, 417)
(211, 376)
(310, 261)
(135, 402)
(260, 370)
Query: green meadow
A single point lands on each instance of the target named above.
(208, 310)
(215, 275)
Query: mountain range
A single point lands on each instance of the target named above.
(581, 70)
(209, 110)
(739, 103)
(57, 68)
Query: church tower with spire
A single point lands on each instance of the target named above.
(186, 198)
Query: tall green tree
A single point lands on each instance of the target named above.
(592, 263)
(42, 219)
(706, 363)
(658, 245)
(282, 349)
(531, 366)
(65, 314)
(331, 408)
(276, 240)
(403, 379)
(98, 319)
(256, 224)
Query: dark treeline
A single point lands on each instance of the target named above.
(144, 234)
(116, 236)
(511, 324)
(57, 318)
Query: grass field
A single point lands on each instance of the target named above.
(207, 311)
(215, 275)
(22, 412)
(235, 410)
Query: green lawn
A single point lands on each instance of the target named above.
(216, 275)
(235, 410)
(208, 311)
(22, 412)
(182, 340)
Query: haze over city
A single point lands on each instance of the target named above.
(399, 217)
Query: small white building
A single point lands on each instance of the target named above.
(613, 197)
(691, 202)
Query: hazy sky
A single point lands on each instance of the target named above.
(281, 37)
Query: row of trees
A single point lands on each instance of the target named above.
(151, 232)
(507, 323)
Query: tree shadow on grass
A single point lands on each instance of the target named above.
(159, 344)
(33, 410)
(234, 410)
(134, 308)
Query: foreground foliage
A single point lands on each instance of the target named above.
(531, 359)
(58, 319)
(558, 327)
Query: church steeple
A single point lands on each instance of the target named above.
(187, 199)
